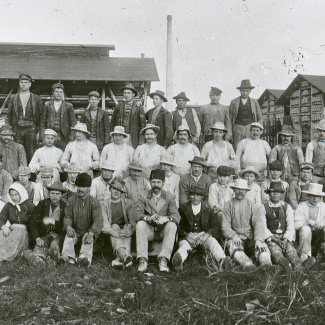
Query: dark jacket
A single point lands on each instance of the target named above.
(165, 122)
(68, 118)
(102, 129)
(137, 121)
(12, 114)
(36, 226)
(209, 220)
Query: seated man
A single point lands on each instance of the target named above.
(46, 226)
(5, 182)
(310, 223)
(83, 221)
(24, 174)
(281, 231)
(157, 218)
(40, 190)
(295, 195)
(198, 226)
(119, 224)
(244, 228)
(70, 184)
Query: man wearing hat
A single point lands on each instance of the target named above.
(24, 173)
(243, 111)
(289, 154)
(251, 174)
(295, 194)
(24, 114)
(46, 226)
(254, 151)
(118, 152)
(97, 121)
(212, 113)
(150, 152)
(171, 184)
(40, 189)
(100, 185)
(157, 218)
(136, 185)
(5, 182)
(83, 221)
(59, 116)
(183, 115)
(130, 115)
(244, 228)
(161, 117)
(47, 156)
(81, 151)
(310, 223)
(118, 213)
(183, 150)
(219, 152)
(13, 153)
(195, 177)
(315, 153)
(70, 184)
(199, 226)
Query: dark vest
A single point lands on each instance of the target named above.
(197, 227)
(245, 115)
(177, 120)
(29, 118)
(318, 157)
(276, 218)
(304, 196)
(292, 155)
(57, 120)
(93, 125)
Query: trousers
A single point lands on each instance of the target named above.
(27, 137)
(240, 132)
(60, 141)
(121, 242)
(51, 245)
(309, 238)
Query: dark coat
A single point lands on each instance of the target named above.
(102, 129)
(137, 121)
(12, 114)
(36, 226)
(165, 122)
(68, 118)
(209, 220)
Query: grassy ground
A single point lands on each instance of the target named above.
(100, 295)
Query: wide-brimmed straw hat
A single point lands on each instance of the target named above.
(241, 184)
(275, 187)
(250, 169)
(286, 131)
(119, 184)
(198, 161)
(321, 125)
(82, 127)
(245, 84)
(150, 127)
(107, 165)
(314, 189)
(159, 93)
(56, 186)
(7, 130)
(118, 129)
(167, 159)
(219, 126)
(136, 165)
(182, 128)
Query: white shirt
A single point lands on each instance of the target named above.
(57, 105)
(24, 98)
(196, 208)
(197, 123)
(171, 185)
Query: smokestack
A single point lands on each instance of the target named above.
(169, 70)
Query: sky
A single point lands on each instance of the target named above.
(215, 43)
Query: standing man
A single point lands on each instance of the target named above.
(212, 113)
(157, 218)
(97, 121)
(13, 153)
(24, 114)
(131, 116)
(315, 153)
(59, 116)
(183, 115)
(243, 111)
(161, 117)
(290, 155)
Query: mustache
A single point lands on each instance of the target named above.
(156, 188)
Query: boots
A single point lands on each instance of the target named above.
(163, 267)
(284, 263)
(241, 258)
(177, 262)
(265, 259)
(143, 264)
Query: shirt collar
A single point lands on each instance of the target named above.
(275, 205)
(311, 205)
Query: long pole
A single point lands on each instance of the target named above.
(169, 70)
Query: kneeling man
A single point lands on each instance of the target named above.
(244, 227)
(198, 226)
(157, 216)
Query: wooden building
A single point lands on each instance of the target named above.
(304, 99)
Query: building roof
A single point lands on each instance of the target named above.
(317, 81)
(275, 92)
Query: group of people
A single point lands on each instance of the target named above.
(141, 176)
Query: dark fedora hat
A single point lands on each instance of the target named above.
(130, 86)
(181, 95)
(245, 84)
(275, 187)
(198, 161)
(195, 189)
(159, 93)
(56, 186)
(119, 184)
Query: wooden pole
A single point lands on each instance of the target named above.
(103, 99)
(145, 97)
(112, 95)
(169, 63)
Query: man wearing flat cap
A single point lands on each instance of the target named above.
(59, 116)
(161, 117)
(24, 114)
(130, 115)
(83, 221)
(212, 113)
(183, 115)
(97, 121)
(243, 111)
(14, 154)
(157, 218)
(47, 156)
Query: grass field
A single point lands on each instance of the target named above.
(99, 295)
